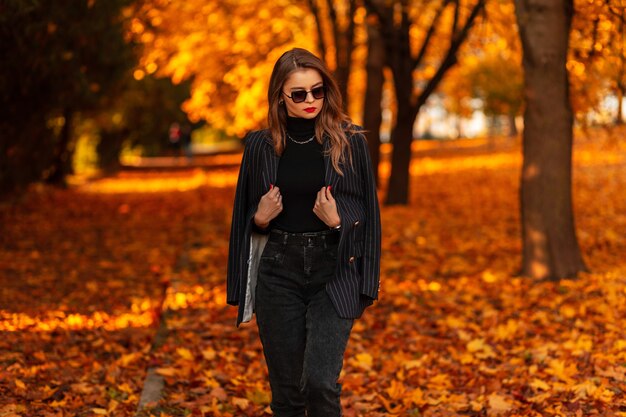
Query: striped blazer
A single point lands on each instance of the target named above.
(356, 281)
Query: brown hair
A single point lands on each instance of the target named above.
(331, 121)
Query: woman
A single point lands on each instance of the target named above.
(305, 237)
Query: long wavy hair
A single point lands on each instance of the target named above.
(331, 122)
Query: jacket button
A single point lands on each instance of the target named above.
(351, 260)
(356, 223)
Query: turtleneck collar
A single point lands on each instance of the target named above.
(299, 127)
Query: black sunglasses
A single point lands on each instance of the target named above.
(299, 96)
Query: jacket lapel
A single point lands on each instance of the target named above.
(270, 165)
(330, 175)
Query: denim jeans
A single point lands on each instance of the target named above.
(303, 338)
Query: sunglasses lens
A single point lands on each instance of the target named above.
(318, 92)
(298, 96)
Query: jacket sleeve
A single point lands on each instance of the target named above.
(372, 238)
(237, 231)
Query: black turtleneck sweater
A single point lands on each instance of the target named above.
(300, 176)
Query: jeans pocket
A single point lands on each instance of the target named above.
(331, 252)
(326, 264)
(272, 254)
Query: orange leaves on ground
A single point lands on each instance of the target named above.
(363, 361)
(455, 331)
(82, 283)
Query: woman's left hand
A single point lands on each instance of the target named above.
(326, 208)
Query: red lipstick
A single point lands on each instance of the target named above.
(310, 109)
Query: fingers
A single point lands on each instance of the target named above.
(273, 195)
(321, 195)
(329, 196)
(325, 207)
(322, 200)
(272, 200)
(278, 198)
(276, 203)
(274, 190)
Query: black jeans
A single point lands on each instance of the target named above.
(303, 338)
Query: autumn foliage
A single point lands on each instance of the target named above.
(86, 275)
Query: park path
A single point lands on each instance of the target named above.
(86, 275)
(83, 275)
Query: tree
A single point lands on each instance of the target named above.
(550, 246)
(372, 115)
(597, 58)
(497, 80)
(404, 59)
(59, 59)
(340, 18)
(489, 68)
(139, 116)
(227, 48)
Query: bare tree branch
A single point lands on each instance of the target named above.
(455, 21)
(594, 37)
(350, 29)
(321, 44)
(332, 14)
(431, 31)
(616, 12)
(450, 58)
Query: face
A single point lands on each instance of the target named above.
(304, 79)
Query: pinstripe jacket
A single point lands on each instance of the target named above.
(356, 281)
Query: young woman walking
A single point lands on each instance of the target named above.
(305, 237)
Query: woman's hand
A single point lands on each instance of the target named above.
(269, 207)
(326, 208)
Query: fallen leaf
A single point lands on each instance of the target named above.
(498, 404)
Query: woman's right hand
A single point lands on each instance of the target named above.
(269, 207)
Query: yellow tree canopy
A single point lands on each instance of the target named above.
(227, 48)
(594, 62)
(489, 65)
(597, 48)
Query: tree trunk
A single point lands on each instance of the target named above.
(550, 246)
(398, 53)
(619, 118)
(459, 124)
(492, 131)
(512, 126)
(396, 25)
(342, 41)
(109, 149)
(321, 45)
(25, 152)
(402, 139)
(64, 150)
(621, 84)
(342, 74)
(372, 112)
(344, 45)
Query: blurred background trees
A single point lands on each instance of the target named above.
(139, 116)
(112, 76)
(60, 60)
(68, 67)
